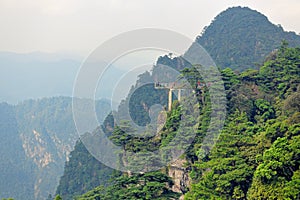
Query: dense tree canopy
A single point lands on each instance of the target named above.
(241, 38)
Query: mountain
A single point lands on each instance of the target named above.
(45, 75)
(257, 153)
(82, 173)
(37, 137)
(255, 157)
(93, 172)
(16, 172)
(240, 38)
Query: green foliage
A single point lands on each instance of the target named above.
(142, 96)
(122, 134)
(281, 74)
(277, 177)
(292, 188)
(82, 173)
(230, 78)
(229, 169)
(275, 164)
(152, 185)
(249, 75)
(291, 104)
(257, 154)
(240, 38)
(57, 197)
(171, 126)
(263, 110)
(241, 93)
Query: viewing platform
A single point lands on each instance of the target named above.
(179, 86)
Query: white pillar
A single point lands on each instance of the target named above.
(179, 95)
(170, 99)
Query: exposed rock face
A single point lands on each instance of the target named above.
(36, 150)
(179, 173)
(37, 138)
(48, 155)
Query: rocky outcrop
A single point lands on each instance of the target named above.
(48, 153)
(37, 137)
(180, 175)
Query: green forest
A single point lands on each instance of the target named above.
(257, 152)
(255, 157)
(240, 38)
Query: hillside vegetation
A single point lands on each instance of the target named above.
(240, 38)
(37, 137)
(257, 154)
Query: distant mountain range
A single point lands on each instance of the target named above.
(36, 139)
(38, 75)
(35, 75)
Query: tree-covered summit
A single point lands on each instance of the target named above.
(240, 38)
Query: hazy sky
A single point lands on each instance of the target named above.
(79, 26)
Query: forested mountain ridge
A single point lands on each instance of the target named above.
(37, 137)
(12, 160)
(240, 38)
(262, 124)
(82, 172)
(257, 154)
